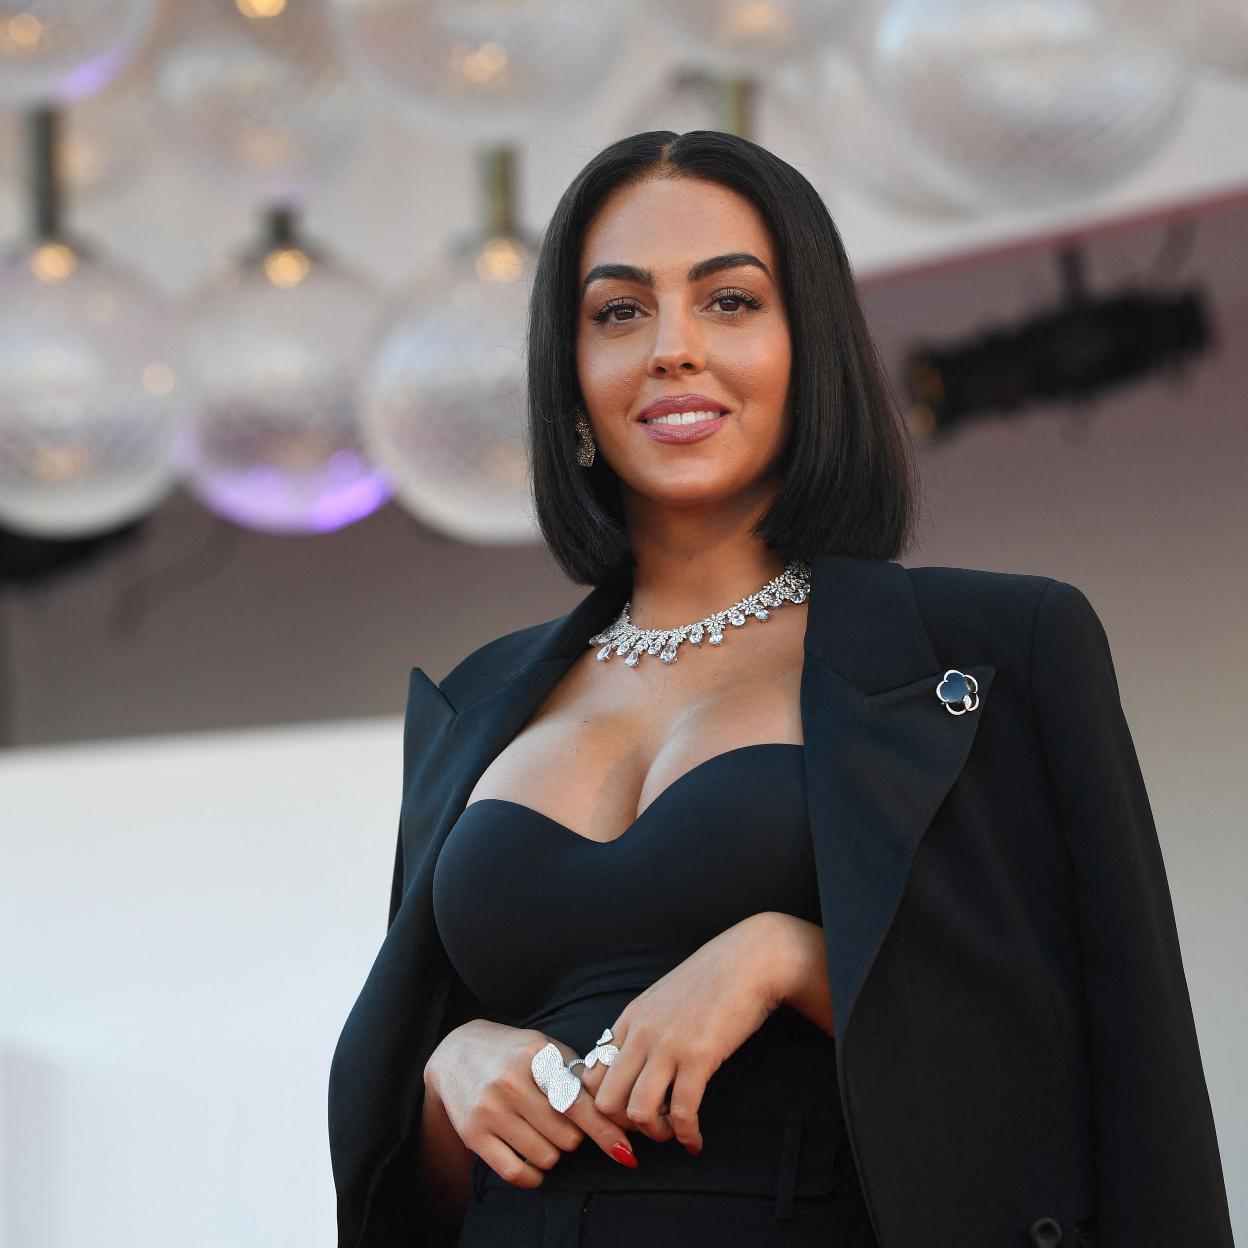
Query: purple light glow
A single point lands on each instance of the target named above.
(268, 502)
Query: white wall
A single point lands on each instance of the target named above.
(184, 925)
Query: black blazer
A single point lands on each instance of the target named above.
(1015, 1047)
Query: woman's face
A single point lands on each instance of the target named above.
(659, 317)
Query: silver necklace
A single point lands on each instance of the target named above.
(624, 637)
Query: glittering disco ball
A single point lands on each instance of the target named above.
(54, 51)
(264, 103)
(752, 35)
(90, 405)
(1020, 102)
(444, 396)
(483, 69)
(273, 351)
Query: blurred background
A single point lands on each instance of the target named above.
(263, 275)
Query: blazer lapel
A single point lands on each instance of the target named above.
(881, 753)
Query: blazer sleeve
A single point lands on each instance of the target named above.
(1159, 1174)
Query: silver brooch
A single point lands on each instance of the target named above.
(958, 691)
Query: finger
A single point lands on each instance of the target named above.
(607, 1135)
(616, 1083)
(509, 1167)
(646, 1100)
(558, 1128)
(535, 1147)
(591, 1077)
(592, 1083)
(687, 1092)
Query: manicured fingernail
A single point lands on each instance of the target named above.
(624, 1155)
(693, 1149)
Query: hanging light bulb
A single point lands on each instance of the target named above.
(444, 410)
(272, 352)
(258, 95)
(90, 396)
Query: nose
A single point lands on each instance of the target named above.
(678, 346)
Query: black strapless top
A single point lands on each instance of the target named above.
(559, 933)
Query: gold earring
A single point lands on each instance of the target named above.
(585, 444)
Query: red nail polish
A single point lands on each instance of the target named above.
(693, 1149)
(624, 1155)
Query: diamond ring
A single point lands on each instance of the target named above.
(555, 1079)
(604, 1051)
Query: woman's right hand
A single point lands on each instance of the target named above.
(481, 1073)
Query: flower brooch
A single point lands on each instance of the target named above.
(958, 691)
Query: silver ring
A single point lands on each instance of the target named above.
(604, 1051)
(555, 1079)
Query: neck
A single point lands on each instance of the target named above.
(694, 561)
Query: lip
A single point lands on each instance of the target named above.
(681, 403)
(685, 433)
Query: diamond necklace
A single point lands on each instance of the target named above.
(624, 637)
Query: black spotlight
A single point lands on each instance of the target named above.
(1087, 345)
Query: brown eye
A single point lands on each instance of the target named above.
(736, 296)
(604, 313)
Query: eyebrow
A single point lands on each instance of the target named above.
(644, 277)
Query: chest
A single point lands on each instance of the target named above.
(608, 740)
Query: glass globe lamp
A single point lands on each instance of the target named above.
(444, 397)
(90, 399)
(1019, 104)
(264, 104)
(273, 352)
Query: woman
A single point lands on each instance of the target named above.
(744, 929)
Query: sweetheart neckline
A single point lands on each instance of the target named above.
(590, 840)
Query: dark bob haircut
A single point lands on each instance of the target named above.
(849, 484)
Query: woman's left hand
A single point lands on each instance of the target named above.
(679, 1031)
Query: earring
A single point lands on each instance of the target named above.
(585, 444)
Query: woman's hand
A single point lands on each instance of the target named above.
(679, 1031)
(481, 1074)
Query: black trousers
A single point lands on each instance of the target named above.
(749, 1189)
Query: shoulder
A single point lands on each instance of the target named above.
(999, 611)
(483, 669)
